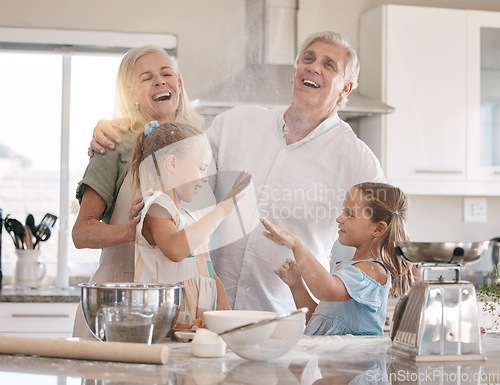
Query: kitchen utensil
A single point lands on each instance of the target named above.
(30, 222)
(49, 220)
(438, 319)
(286, 330)
(254, 325)
(44, 228)
(28, 238)
(219, 321)
(19, 231)
(160, 299)
(10, 227)
(29, 270)
(85, 350)
(42, 233)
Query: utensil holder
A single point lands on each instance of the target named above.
(29, 270)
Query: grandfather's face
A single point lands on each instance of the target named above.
(319, 81)
(156, 87)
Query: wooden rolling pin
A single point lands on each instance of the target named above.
(85, 350)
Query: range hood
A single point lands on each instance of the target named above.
(266, 79)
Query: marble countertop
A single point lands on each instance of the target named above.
(314, 360)
(50, 294)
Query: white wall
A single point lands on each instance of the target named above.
(211, 48)
(210, 33)
(211, 41)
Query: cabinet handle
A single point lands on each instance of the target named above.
(438, 171)
(14, 315)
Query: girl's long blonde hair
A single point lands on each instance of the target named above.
(125, 108)
(389, 204)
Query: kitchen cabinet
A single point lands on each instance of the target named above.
(29, 319)
(421, 61)
(483, 42)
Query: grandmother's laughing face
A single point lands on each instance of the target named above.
(156, 87)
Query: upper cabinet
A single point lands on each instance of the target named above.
(427, 63)
(483, 60)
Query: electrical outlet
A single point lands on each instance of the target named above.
(475, 210)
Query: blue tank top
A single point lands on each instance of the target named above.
(363, 314)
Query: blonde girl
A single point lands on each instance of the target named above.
(172, 160)
(353, 299)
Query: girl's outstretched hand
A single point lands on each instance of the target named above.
(277, 235)
(236, 193)
(289, 273)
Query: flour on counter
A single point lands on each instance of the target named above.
(348, 338)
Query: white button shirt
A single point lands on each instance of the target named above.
(299, 187)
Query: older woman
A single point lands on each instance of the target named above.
(149, 87)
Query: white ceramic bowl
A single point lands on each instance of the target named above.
(219, 321)
(259, 343)
(285, 335)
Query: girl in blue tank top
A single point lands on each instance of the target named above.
(353, 298)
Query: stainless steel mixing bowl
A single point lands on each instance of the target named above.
(441, 252)
(159, 299)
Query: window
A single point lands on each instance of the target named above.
(44, 141)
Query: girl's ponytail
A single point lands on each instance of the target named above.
(389, 204)
(400, 270)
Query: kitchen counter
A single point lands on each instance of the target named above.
(314, 360)
(51, 294)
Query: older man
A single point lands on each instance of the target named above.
(304, 160)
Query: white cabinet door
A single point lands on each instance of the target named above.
(483, 31)
(426, 68)
(36, 319)
(440, 69)
(420, 70)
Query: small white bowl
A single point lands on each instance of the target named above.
(207, 344)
